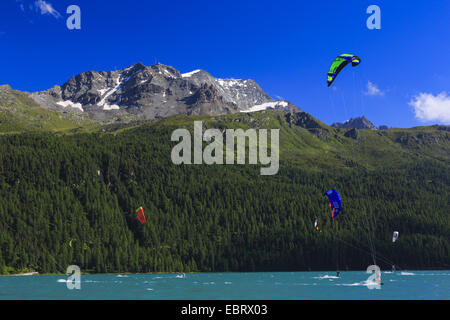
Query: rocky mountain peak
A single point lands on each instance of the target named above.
(147, 92)
(356, 123)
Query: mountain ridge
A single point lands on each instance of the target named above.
(356, 123)
(156, 91)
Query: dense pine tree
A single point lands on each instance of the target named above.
(86, 187)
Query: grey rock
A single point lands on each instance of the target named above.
(356, 123)
(352, 133)
(302, 119)
(423, 139)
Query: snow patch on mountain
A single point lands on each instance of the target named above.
(103, 103)
(111, 107)
(70, 104)
(190, 74)
(227, 83)
(267, 105)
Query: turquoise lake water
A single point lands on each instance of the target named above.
(352, 285)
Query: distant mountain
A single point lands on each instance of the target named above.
(356, 123)
(157, 91)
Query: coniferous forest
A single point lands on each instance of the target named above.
(86, 187)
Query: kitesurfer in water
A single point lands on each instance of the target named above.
(316, 225)
(379, 281)
(70, 275)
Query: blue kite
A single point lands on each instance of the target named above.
(335, 201)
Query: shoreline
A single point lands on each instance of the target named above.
(154, 273)
(26, 274)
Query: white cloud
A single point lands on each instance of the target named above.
(428, 107)
(46, 8)
(372, 90)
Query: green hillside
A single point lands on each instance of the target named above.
(87, 186)
(18, 113)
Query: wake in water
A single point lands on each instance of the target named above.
(366, 283)
(351, 285)
(327, 277)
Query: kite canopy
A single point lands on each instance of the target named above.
(395, 236)
(339, 63)
(335, 202)
(140, 215)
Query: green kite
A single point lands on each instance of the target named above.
(339, 63)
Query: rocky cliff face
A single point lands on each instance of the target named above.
(356, 123)
(148, 92)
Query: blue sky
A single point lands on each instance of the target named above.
(285, 46)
